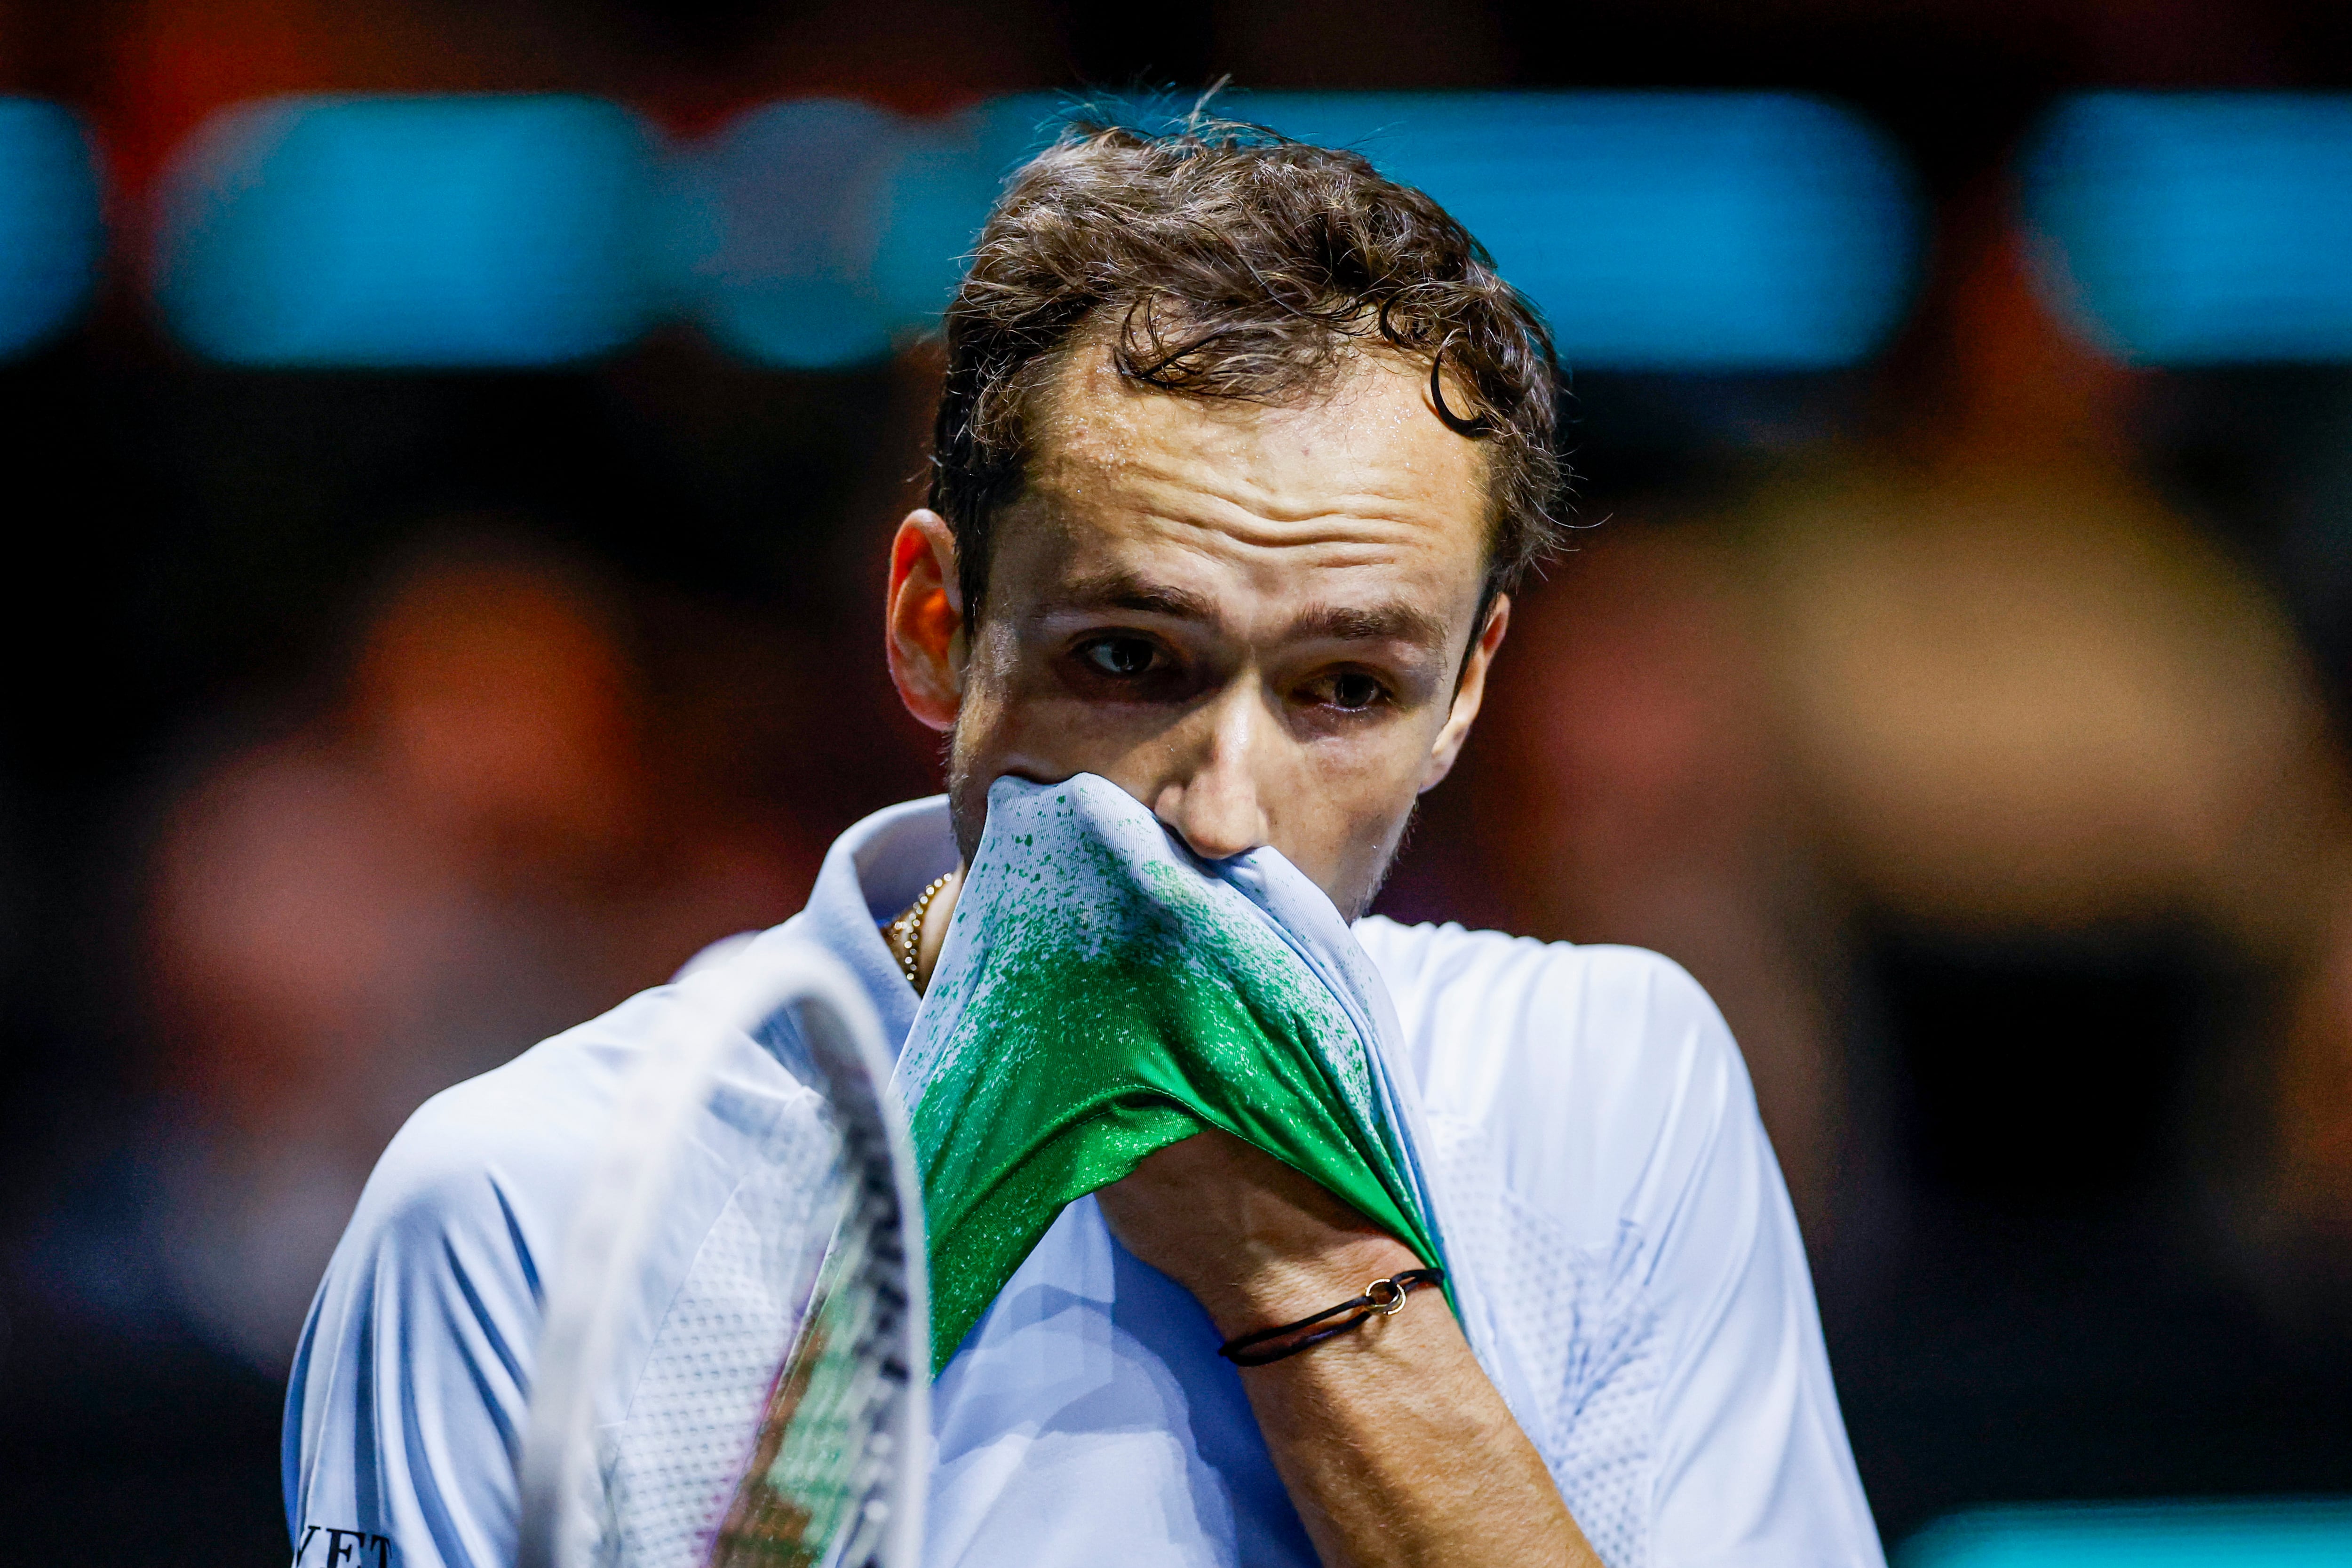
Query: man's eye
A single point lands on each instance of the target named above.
(1353, 691)
(1125, 658)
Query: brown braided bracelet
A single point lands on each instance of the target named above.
(1384, 1298)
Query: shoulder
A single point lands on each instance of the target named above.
(1474, 1004)
(1599, 1070)
(1427, 961)
(506, 1150)
(455, 1233)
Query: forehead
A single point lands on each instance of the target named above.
(1358, 475)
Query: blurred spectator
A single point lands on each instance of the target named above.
(478, 844)
(2034, 702)
(2029, 694)
(1976, 676)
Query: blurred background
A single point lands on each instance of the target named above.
(453, 446)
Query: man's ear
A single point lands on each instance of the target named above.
(1468, 693)
(923, 620)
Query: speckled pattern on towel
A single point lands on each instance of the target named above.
(1102, 995)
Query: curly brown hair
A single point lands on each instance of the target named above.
(1225, 260)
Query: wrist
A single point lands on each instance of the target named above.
(1282, 1286)
(1383, 1298)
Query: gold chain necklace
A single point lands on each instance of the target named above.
(905, 935)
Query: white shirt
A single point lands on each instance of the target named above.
(1594, 1146)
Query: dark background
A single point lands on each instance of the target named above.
(2072, 1163)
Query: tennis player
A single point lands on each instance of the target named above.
(1241, 451)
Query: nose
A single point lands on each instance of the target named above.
(1215, 794)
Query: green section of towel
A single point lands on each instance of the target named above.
(1111, 1006)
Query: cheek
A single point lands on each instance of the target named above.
(1016, 717)
(1360, 789)
(993, 697)
(1374, 760)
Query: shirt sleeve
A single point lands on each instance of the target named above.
(1653, 1315)
(1753, 1465)
(406, 1406)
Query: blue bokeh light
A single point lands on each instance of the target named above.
(781, 214)
(1657, 231)
(2139, 1535)
(2199, 229)
(934, 204)
(1664, 231)
(51, 229)
(402, 232)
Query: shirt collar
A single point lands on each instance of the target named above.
(871, 873)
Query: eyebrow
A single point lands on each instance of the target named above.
(1395, 621)
(1122, 591)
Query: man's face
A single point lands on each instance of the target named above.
(1253, 620)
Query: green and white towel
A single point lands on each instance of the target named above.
(1103, 994)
